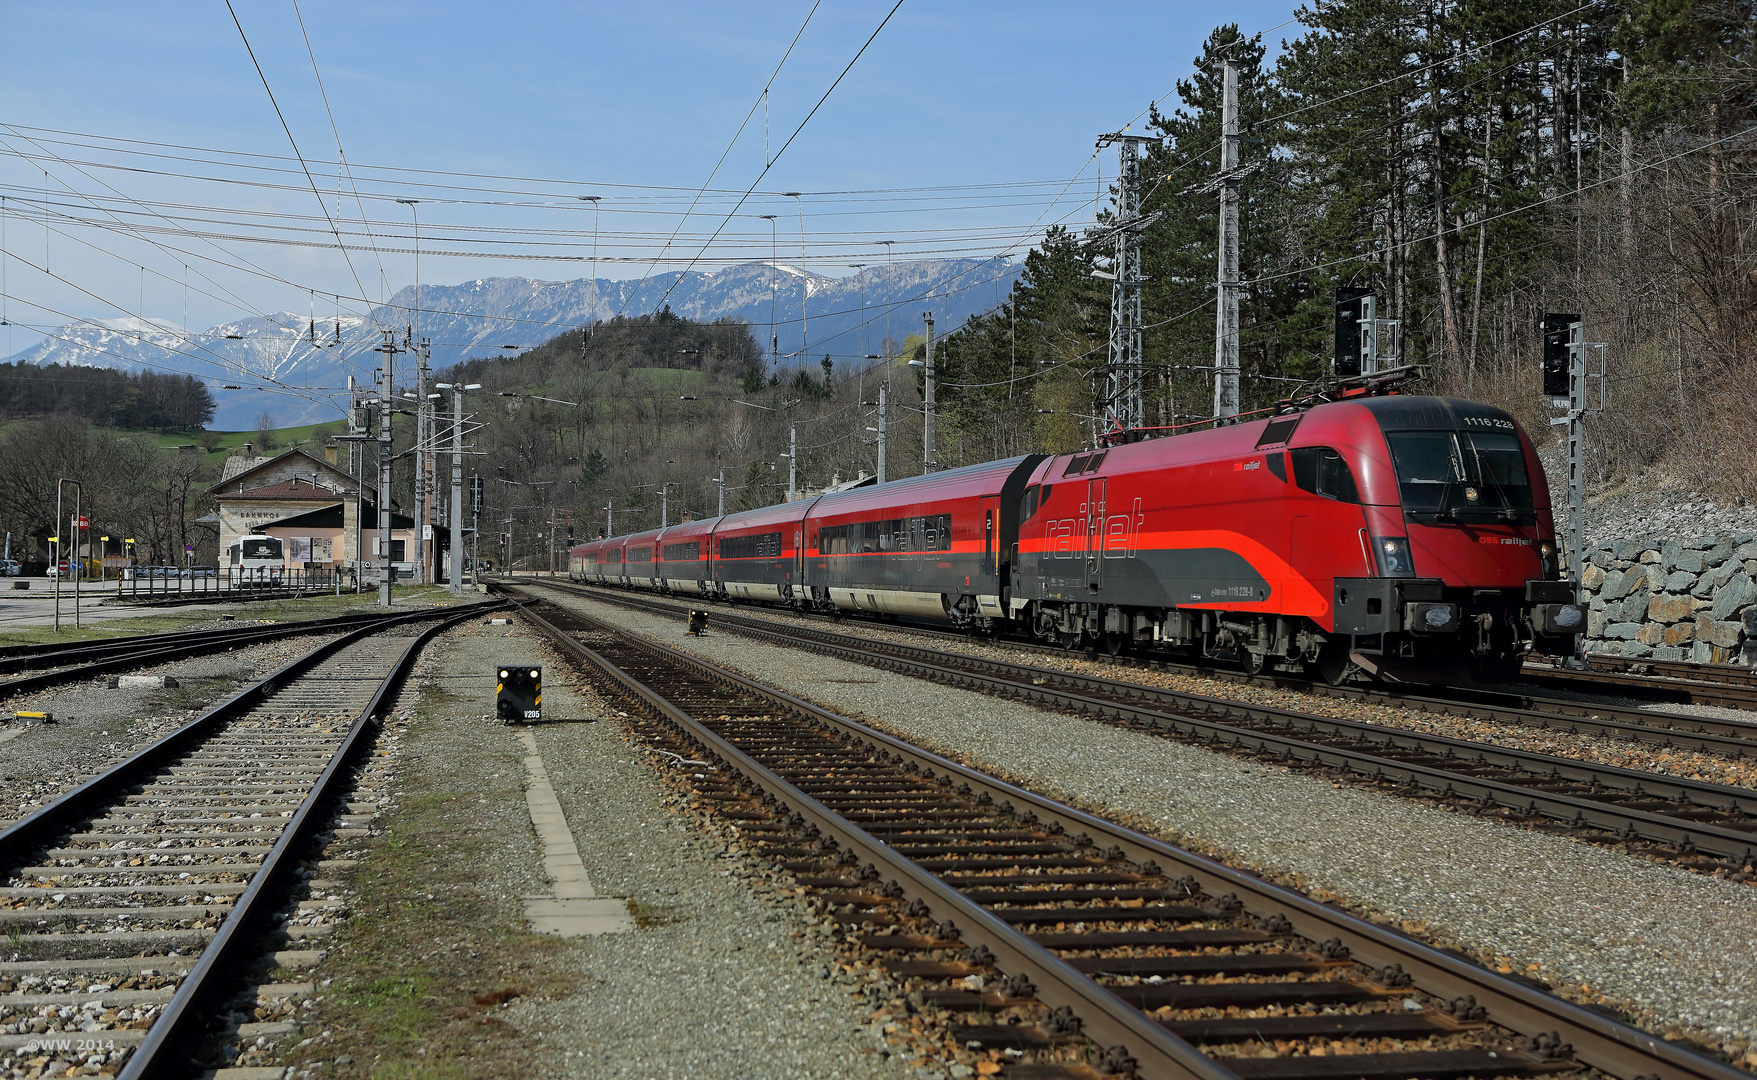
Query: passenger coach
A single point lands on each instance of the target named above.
(1405, 535)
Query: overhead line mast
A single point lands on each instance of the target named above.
(1124, 411)
(1226, 394)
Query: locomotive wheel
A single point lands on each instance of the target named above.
(1115, 644)
(1333, 665)
(1252, 662)
(1069, 642)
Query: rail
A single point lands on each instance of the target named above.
(988, 925)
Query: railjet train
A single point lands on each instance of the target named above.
(1406, 536)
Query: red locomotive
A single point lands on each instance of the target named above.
(1405, 535)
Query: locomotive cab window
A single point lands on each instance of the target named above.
(1322, 471)
(1028, 506)
(1447, 473)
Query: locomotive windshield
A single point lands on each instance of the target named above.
(262, 547)
(1461, 473)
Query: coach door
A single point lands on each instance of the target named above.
(991, 524)
(1095, 533)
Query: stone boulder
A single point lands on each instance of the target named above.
(1679, 633)
(1751, 621)
(1680, 581)
(1622, 631)
(1690, 562)
(1724, 634)
(1669, 553)
(1739, 592)
(1593, 577)
(1652, 633)
(1671, 608)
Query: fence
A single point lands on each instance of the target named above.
(171, 582)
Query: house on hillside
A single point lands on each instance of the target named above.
(327, 518)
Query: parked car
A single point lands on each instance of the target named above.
(60, 569)
(10, 568)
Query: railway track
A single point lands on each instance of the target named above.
(1707, 826)
(135, 902)
(1669, 681)
(1687, 731)
(1071, 947)
(84, 660)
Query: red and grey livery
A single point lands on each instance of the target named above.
(1407, 535)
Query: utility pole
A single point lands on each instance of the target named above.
(475, 526)
(664, 509)
(1226, 396)
(456, 570)
(721, 481)
(929, 457)
(423, 459)
(1124, 411)
(385, 410)
(610, 517)
(883, 426)
(792, 460)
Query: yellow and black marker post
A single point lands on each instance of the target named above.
(698, 622)
(518, 695)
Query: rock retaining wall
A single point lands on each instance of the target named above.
(1673, 599)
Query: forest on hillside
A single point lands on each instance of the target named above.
(1475, 164)
(141, 401)
(653, 416)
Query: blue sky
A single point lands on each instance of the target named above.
(991, 106)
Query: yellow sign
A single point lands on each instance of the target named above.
(54, 539)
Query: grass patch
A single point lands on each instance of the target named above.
(435, 948)
(326, 606)
(646, 915)
(192, 694)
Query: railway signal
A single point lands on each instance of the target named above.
(1352, 305)
(518, 693)
(1565, 334)
(1556, 329)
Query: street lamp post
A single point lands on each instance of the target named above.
(860, 277)
(774, 257)
(60, 546)
(411, 204)
(594, 200)
(888, 284)
(804, 282)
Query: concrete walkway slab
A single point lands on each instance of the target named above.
(575, 910)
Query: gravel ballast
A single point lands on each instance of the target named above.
(96, 727)
(1677, 948)
(1594, 748)
(724, 974)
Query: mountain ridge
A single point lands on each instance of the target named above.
(304, 367)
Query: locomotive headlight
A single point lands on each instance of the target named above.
(1392, 553)
(1547, 553)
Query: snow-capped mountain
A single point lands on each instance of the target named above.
(306, 361)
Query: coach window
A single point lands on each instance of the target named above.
(1322, 471)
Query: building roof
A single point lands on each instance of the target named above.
(323, 517)
(296, 489)
(238, 464)
(310, 466)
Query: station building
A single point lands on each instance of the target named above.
(327, 518)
